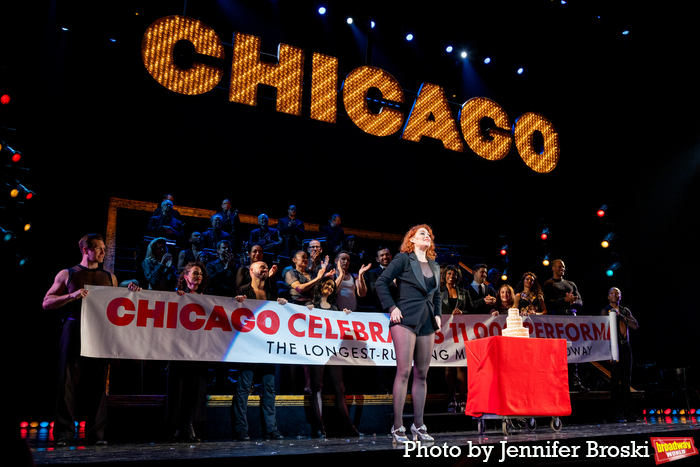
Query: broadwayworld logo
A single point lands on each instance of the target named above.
(671, 449)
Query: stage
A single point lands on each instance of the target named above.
(574, 443)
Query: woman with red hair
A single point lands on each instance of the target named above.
(415, 316)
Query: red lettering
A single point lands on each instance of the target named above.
(455, 336)
(360, 333)
(113, 311)
(344, 327)
(375, 330)
(218, 319)
(292, 320)
(538, 330)
(157, 313)
(495, 329)
(568, 329)
(529, 327)
(274, 326)
(598, 332)
(480, 327)
(172, 315)
(313, 325)
(586, 332)
(549, 330)
(237, 320)
(185, 316)
(329, 330)
(439, 337)
(560, 329)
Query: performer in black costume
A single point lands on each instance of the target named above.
(415, 316)
(89, 374)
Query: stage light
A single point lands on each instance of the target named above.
(113, 40)
(667, 412)
(409, 37)
(504, 276)
(44, 424)
(504, 250)
(487, 60)
(602, 210)
(520, 71)
(14, 192)
(23, 261)
(463, 55)
(27, 226)
(65, 29)
(606, 240)
(544, 234)
(349, 20)
(545, 260)
(611, 270)
(23, 424)
(16, 155)
(6, 234)
(5, 99)
(372, 24)
(449, 49)
(322, 10)
(624, 33)
(33, 424)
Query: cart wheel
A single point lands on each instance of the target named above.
(481, 426)
(531, 424)
(555, 424)
(505, 427)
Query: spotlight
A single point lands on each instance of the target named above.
(16, 155)
(504, 250)
(372, 24)
(602, 210)
(545, 260)
(449, 49)
(504, 276)
(606, 241)
(544, 234)
(64, 29)
(463, 55)
(520, 71)
(21, 190)
(611, 270)
(487, 60)
(5, 99)
(6, 234)
(409, 37)
(349, 20)
(322, 10)
(624, 33)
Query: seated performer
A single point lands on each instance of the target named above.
(621, 370)
(292, 231)
(268, 238)
(216, 233)
(158, 266)
(259, 288)
(194, 253)
(175, 213)
(165, 224)
(222, 271)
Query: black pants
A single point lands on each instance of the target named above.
(81, 381)
(620, 379)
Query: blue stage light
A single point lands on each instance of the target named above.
(624, 33)
(322, 10)
(449, 49)
(409, 37)
(349, 20)
(463, 55)
(487, 60)
(372, 24)
(520, 71)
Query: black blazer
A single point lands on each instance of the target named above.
(371, 277)
(413, 295)
(464, 301)
(478, 303)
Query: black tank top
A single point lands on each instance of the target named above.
(78, 277)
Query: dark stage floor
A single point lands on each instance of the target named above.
(454, 448)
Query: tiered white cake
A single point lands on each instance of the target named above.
(514, 325)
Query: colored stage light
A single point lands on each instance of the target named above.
(667, 412)
(607, 239)
(64, 29)
(23, 424)
(487, 60)
(545, 261)
(520, 71)
(504, 252)
(33, 424)
(372, 24)
(6, 234)
(602, 210)
(409, 37)
(611, 270)
(544, 234)
(5, 99)
(463, 55)
(322, 10)
(605, 244)
(624, 33)
(27, 226)
(44, 424)
(14, 192)
(449, 49)
(349, 20)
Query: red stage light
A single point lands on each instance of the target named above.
(667, 411)
(601, 213)
(29, 195)
(24, 424)
(16, 157)
(5, 99)
(543, 236)
(503, 252)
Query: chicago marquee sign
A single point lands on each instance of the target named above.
(430, 114)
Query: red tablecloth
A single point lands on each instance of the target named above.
(517, 376)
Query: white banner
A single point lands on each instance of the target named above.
(152, 325)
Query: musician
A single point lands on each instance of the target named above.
(216, 233)
(231, 224)
(268, 238)
(292, 231)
